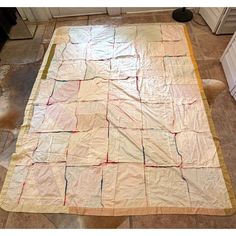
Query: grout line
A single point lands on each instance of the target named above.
(45, 215)
(131, 225)
(5, 223)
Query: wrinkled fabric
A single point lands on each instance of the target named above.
(124, 89)
(51, 147)
(71, 70)
(172, 188)
(97, 69)
(93, 90)
(74, 51)
(64, 92)
(123, 68)
(173, 49)
(46, 88)
(125, 145)
(202, 187)
(188, 144)
(160, 148)
(116, 125)
(44, 184)
(91, 115)
(125, 113)
(92, 148)
(84, 186)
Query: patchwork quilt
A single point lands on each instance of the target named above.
(118, 124)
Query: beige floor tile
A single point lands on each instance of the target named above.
(71, 23)
(22, 51)
(64, 221)
(216, 222)
(164, 221)
(28, 221)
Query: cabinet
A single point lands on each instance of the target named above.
(221, 20)
(228, 61)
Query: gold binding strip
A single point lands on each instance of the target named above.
(226, 175)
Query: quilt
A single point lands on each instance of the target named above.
(118, 124)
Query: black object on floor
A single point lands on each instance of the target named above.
(7, 20)
(182, 15)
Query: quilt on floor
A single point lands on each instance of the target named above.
(117, 124)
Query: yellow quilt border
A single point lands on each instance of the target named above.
(226, 175)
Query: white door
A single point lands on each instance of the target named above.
(144, 9)
(76, 11)
(212, 16)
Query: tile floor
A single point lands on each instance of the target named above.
(19, 64)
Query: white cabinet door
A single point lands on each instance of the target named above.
(228, 22)
(212, 16)
(76, 11)
(228, 62)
